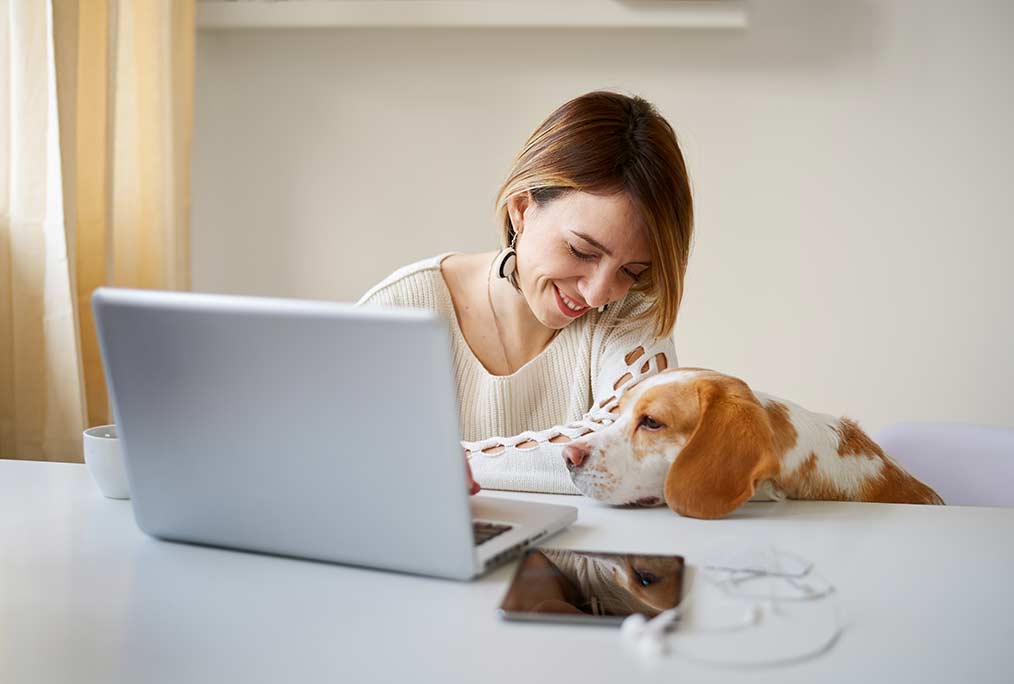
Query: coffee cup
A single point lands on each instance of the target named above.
(104, 458)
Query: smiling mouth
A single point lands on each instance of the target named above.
(564, 306)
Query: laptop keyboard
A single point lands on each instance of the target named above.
(484, 531)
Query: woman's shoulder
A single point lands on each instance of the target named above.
(631, 317)
(417, 278)
(636, 304)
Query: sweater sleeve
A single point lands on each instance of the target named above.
(623, 353)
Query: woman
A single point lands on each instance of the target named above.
(595, 221)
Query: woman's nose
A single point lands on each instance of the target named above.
(601, 288)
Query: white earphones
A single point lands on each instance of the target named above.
(648, 635)
(732, 578)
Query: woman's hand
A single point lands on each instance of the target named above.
(473, 486)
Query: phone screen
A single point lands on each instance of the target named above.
(560, 585)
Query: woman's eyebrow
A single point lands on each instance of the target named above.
(601, 248)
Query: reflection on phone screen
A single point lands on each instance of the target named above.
(564, 582)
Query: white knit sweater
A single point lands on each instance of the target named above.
(507, 422)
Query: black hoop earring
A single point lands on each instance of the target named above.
(507, 260)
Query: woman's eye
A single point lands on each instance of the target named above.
(579, 255)
(589, 257)
(645, 578)
(650, 423)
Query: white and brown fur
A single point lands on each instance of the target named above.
(704, 443)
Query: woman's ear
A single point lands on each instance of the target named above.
(728, 453)
(517, 204)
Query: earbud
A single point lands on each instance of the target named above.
(648, 635)
(633, 626)
(651, 646)
(643, 634)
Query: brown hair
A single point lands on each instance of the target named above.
(605, 143)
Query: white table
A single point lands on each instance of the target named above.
(86, 597)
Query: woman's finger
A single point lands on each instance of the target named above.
(473, 486)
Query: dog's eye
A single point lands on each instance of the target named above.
(645, 578)
(650, 423)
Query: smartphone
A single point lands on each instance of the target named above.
(591, 587)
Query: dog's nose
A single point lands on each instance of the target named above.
(575, 454)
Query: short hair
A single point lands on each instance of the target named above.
(605, 143)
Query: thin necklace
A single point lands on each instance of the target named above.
(496, 321)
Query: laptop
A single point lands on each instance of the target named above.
(311, 429)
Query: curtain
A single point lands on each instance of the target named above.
(96, 119)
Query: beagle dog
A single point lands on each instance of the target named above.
(704, 443)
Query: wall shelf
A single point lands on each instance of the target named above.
(238, 14)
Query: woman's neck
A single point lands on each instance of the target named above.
(524, 336)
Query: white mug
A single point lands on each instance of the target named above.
(104, 459)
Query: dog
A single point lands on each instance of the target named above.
(704, 443)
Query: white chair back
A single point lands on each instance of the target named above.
(967, 465)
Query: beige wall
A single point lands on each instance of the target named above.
(853, 165)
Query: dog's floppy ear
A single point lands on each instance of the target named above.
(728, 453)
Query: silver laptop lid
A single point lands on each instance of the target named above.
(303, 428)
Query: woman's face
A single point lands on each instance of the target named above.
(580, 248)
